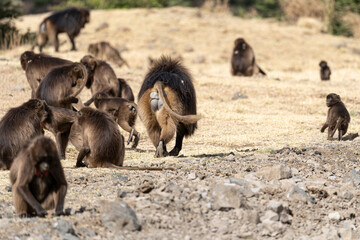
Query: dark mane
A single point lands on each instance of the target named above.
(174, 75)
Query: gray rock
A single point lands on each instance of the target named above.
(334, 216)
(192, 176)
(172, 188)
(188, 48)
(238, 95)
(230, 157)
(272, 228)
(68, 236)
(121, 193)
(275, 172)
(340, 44)
(226, 197)
(353, 176)
(147, 186)
(347, 195)
(270, 215)
(122, 177)
(244, 187)
(63, 227)
(275, 206)
(239, 182)
(296, 193)
(86, 232)
(285, 218)
(8, 188)
(199, 59)
(117, 215)
(102, 26)
(18, 88)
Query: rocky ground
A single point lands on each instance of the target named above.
(257, 167)
(291, 193)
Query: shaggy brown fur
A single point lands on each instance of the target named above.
(62, 84)
(243, 61)
(18, 126)
(325, 71)
(338, 117)
(38, 179)
(36, 67)
(69, 21)
(167, 104)
(101, 78)
(103, 145)
(124, 112)
(104, 51)
(59, 122)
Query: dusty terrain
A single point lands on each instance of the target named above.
(257, 167)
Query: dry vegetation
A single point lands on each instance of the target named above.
(285, 108)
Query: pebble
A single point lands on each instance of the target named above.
(192, 176)
(334, 216)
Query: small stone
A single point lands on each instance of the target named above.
(340, 44)
(239, 182)
(122, 177)
(101, 26)
(334, 216)
(117, 215)
(18, 88)
(87, 232)
(199, 59)
(8, 188)
(275, 172)
(63, 227)
(332, 177)
(238, 95)
(188, 48)
(272, 228)
(285, 218)
(270, 215)
(121, 193)
(192, 176)
(147, 186)
(296, 193)
(226, 197)
(230, 158)
(275, 206)
(353, 176)
(347, 195)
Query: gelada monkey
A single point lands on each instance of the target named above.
(36, 67)
(325, 71)
(104, 51)
(18, 126)
(338, 117)
(167, 104)
(59, 121)
(243, 61)
(102, 143)
(62, 84)
(124, 112)
(69, 21)
(101, 77)
(38, 180)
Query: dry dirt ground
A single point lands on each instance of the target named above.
(257, 168)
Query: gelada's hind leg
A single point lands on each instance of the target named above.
(340, 134)
(178, 145)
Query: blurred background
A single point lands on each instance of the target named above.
(337, 17)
